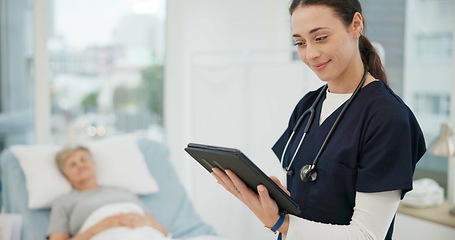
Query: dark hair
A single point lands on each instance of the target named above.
(346, 9)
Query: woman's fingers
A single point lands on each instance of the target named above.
(225, 181)
(130, 220)
(269, 204)
(264, 207)
(239, 186)
(278, 182)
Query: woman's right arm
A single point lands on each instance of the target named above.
(373, 213)
(59, 236)
(119, 220)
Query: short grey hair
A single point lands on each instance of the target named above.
(62, 155)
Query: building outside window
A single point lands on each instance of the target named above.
(16, 72)
(106, 65)
(429, 75)
(105, 69)
(417, 37)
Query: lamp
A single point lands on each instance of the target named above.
(442, 146)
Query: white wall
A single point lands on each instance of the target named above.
(230, 81)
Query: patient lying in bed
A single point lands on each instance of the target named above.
(97, 212)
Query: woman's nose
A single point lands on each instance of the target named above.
(79, 164)
(312, 52)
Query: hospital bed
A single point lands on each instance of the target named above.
(171, 205)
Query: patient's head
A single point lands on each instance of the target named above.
(76, 164)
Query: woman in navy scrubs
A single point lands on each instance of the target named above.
(350, 186)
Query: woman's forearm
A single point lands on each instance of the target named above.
(110, 222)
(372, 216)
(83, 236)
(152, 222)
(89, 233)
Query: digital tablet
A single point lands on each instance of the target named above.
(234, 160)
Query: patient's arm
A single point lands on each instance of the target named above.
(151, 221)
(130, 220)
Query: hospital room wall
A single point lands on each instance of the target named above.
(230, 80)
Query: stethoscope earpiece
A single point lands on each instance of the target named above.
(308, 173)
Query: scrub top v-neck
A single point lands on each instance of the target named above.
(374, 148)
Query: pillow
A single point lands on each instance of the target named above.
(119, 162)
(44, 181)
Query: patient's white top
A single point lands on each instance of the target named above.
(71, 210)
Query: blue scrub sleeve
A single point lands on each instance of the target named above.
(392, 145)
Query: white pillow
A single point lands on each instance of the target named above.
(119, 162)
(43, 180)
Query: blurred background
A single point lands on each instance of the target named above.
(208, 71)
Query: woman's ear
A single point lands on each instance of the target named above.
(357, 25)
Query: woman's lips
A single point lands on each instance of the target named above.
(320, 66)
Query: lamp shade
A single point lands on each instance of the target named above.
(442, 146)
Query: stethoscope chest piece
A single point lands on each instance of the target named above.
(308, 173)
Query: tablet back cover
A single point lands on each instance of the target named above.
(233, 159)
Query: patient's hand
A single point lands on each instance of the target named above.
(151, 221)
(119, 220)
(130, 220)
(134, 220)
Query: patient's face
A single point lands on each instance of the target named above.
(79, 167)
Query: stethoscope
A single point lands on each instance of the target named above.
(309, 172)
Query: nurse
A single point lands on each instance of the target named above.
(356, 160)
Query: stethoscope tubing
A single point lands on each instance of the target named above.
(343, 110)
(312, 111)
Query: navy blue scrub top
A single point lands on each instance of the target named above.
(375, 148)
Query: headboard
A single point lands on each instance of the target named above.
(171, 206)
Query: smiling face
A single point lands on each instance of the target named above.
(79, 168)
(326, 44)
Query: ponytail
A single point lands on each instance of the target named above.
(346, 11)
(371, 59)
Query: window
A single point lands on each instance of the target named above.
(16, 70)
(105, 69)
(417, 37)
(435, 47)
(106, 64)
(432, 104)
(429, 74)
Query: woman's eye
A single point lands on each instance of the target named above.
(298, 44)
(321, 38)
